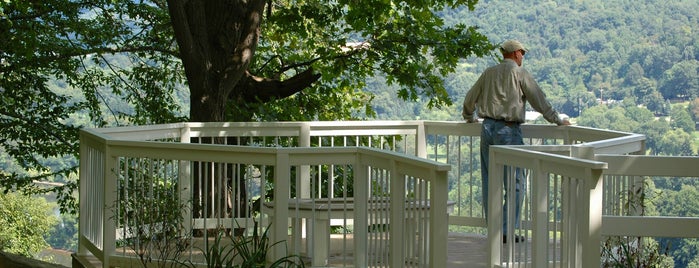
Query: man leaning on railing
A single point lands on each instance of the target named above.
(499, 97)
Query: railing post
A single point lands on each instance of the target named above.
(494, 217)
(589, 231)
(540, 217)
(439, 219)
(637, 185)
(361, 192)
(85, 160)
(280, 226)
(305, 171)
(397, 208)
(303, 189)
(110, 191)
(185, 183)
(421, 140)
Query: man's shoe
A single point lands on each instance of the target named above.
(518, 238)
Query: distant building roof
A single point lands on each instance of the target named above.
(532, 115)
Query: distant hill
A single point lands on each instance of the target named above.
(581, 52)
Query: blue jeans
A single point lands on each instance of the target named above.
(498, 132)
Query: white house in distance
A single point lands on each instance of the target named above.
(530, 116)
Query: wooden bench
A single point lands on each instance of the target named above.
(322, 213)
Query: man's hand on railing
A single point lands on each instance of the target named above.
(472, 120)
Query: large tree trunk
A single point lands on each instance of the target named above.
(217, 40)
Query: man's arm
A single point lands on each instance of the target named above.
(537, 98)
(469, 105)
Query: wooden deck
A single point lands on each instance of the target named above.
(466, 250)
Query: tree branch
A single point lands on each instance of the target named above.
(31, 124)
(265, 89)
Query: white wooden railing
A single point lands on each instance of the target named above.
(124, 170)
(561, 163)
(563, 208)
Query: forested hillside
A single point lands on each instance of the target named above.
(584, 52)
(622, 65)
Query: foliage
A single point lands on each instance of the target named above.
(663, 137)
(24, 220)
(150, 215)
(64, 234)
(676, 142)
(681, 119)
(71, 64)
(245, 251)
(253, 251)
(57, 75)
(694, 109)
(624, 252)
(217, 254)
(680, 80)
(587, 52)
(407, 43)
(618, 251)
(684, 202)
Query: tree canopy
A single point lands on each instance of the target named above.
(258, 52)
(128, 62)
(25, 221)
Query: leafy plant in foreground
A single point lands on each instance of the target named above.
(245, 252)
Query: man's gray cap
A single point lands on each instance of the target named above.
(510, 46)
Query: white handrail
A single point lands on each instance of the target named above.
(281, 159)
(440, 138)
(541, 165)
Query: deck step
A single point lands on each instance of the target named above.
(85, 261)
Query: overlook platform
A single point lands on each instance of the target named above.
(580, 188)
